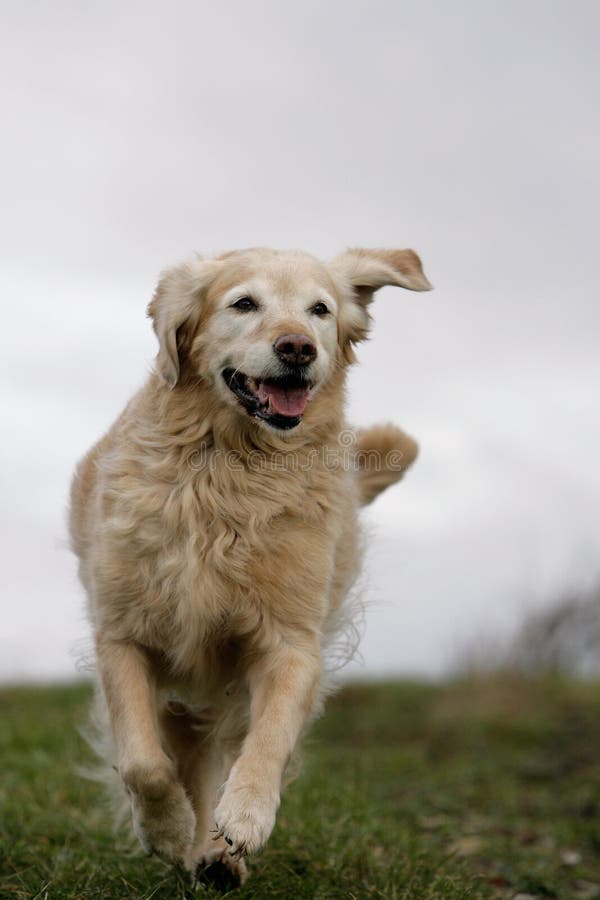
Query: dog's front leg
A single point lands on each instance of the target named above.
(283, 687)
(163, 818)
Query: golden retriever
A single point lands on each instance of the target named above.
(216, 529)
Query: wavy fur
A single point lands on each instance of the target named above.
(219, 555)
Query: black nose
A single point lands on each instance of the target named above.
(295, 349)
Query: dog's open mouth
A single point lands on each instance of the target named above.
(279, 401)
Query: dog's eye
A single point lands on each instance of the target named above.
(244, 304)
(319, 309)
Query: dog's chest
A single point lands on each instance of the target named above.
(224, 550)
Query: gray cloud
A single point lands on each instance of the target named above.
(136, 133)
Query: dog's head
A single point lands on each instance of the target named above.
(267, 329)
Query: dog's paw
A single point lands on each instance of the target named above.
(218, 867)
(246, 815)
(163, 821)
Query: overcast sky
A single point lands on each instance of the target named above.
(136, 133)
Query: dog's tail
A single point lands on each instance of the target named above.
(383, 454)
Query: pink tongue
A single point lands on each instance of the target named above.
(290, 402)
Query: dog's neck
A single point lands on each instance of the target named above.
(194, 416)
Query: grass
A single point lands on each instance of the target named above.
(483, 788)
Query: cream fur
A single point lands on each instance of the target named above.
(218, 554)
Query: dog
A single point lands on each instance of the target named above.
(216, 526)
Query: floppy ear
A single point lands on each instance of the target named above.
(175, 310)
(359, 273)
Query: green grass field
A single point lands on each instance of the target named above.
(486, 788)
